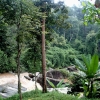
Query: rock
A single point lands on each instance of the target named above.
(49, 74)
(39, 79)
(60, 90)
(27, 77)
(35, 76)
(31, 75)
(8, 90)
(54, 74)
(71, 68)
(54, 81)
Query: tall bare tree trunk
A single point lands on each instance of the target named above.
(43, 57)
(18, 64)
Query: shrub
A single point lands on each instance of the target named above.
(90, 67)
(3, 62)
(77, 83)
(7, 63)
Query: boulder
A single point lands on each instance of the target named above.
(71, 68)
(49, 74)
(8, 90)
(64, 90)
(27, 77)
(54, 81)
(31, 75)
(39, 79)
(36, 75)
(54, 74)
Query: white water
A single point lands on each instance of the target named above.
(13, 79)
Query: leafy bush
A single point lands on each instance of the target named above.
(3, 62)
(6, 63)
(77, 83)
(60, 58)
(90, 68)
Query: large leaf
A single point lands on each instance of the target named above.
(87, 60)
(59, 85)
(80, 65)
(84, 4)
(94, 64)
(51, 84)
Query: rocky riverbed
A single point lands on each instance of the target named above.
(9, 82)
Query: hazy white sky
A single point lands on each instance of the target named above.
(72, 2)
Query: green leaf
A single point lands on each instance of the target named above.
(59, 84)
(51, 84)
(94, 64)
(85, 23)
(65, 85)
(84, 11)
(83, 4)
(80, 65)
(87, 60)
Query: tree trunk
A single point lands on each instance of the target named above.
(18, 64)
(43, 58)
(19, 47)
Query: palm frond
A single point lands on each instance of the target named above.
(80, 65)
(87, 61)
(51, 84)
(94, 64)
(60, 84)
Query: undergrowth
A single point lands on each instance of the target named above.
(38, 95)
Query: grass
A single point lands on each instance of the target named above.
(38, 95)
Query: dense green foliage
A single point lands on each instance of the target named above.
(66, 36)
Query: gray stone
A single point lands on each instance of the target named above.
(54, 74)
(54, 81)
(27, 77)
(71, 68)
(31, 75)
(8, 90)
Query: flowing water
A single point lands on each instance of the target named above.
(13, 79)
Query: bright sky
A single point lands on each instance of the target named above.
(72, 2)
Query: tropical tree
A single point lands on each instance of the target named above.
(14, 13)
(74, 29)
(92, 15)
(90, 68)
(91, 42)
